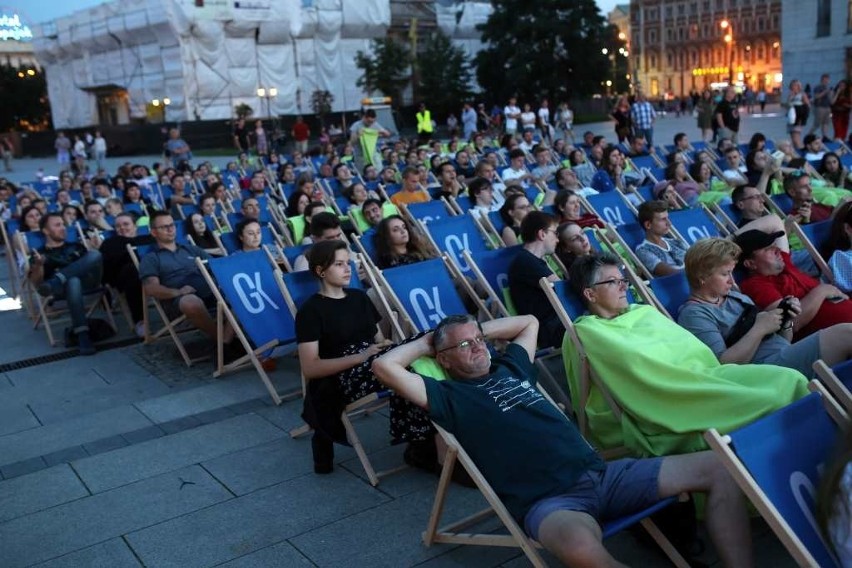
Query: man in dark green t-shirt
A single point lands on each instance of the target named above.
(534, 457)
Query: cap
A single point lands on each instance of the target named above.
(754, 240)
(660, 188)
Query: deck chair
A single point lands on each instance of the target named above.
(249, 294)
(296, 288)
(621, 241)
(171, 327)
(427, 212)
(489, 270)
(668, 293)
(454, 235)
(611, 207)
(814, 237)
(8, 230)
(690, 225)
(452, 533)
(776, 461)
(838, 382)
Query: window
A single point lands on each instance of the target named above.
(760, 24)
(653, 60)
(670, 34)
(705, 29)
(732, 3)
(823, 18)
(746, 26)
(720, 5)
(705, 7)
(775, 21)
(668, 12)
(680, 9)
(759, 51)
(693, 9)
(652, 36)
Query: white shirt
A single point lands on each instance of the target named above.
(511, 123)
(544, 115)
(528, 119)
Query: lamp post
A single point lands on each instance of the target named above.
(163, 106)
(268, 93)
(728, 30)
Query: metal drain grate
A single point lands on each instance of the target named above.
(43, 359)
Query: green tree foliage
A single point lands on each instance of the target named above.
(23, 99)
(243, 110)
(386, 70)
(445, 75)
(321, 102)
(546, 48)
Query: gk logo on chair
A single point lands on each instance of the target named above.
(427, 308)
(251, 293)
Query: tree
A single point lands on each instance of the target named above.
(445, 75)
(387, 70)
(321, 102)
(23, 98)
(243, 110)
(547, 48)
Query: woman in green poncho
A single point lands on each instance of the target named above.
(669, 385)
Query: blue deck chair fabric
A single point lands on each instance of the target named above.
(693, 224)
(292, 253)
(247, 283)
(819, 234)
(369, 244)
(188, 209)
(429, 212)
(646, 192)
(784, 453)
(844, 373)
(732, 211)
(456, 234)
(303, 285)
(36, 239)
(570, 302)
(496, 221)
(612, 208)
(672, 291)
(232, 243)
(783, 201)
(426, 292)
(632, 233)
(494, 266)
(644, 161)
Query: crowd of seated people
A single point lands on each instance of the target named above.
(295, 196)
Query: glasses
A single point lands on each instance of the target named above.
(168, 227)
(755, 196)
(467, 344)
(613, 282)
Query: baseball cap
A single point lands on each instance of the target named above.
(754, 240)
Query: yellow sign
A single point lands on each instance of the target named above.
(709, 71)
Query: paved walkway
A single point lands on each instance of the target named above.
(129, 458)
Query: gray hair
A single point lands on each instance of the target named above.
(441, 330)
(585, 271)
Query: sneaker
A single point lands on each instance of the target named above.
(139, 329)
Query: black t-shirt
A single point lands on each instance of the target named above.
(57, 258)
(529, 299)
(115, 255)
(730, 114)
(337, 323)
(242, 137)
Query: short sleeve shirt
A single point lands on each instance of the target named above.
(730, 114)
(174, 269)
(523, 445)
(337, 323)
(651, 255)
(524, 274)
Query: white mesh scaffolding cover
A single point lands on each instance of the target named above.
(208, 61)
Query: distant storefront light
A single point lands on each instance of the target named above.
(11, 28)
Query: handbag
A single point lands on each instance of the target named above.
(791, 115)
(743, 324)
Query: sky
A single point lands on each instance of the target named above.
(37, 11)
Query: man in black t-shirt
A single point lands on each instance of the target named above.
(241, 140)
(538, 231)
(65, 271)
(533, 456)
(727, 116)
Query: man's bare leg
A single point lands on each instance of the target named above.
(575, 538)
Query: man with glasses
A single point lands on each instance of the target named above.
(750, 203)
(798, 186)
(538, 232)
(169, 273)
(661, 255)
(550, 479)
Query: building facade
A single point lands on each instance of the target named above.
(16, 47)
(679, 46)
(817, 39)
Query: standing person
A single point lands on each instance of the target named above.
(565, 119)
(727, 116)
(63, 149)
(261, 140)
(643, 116)
(301, 133)
(424, 124)
(241, 139)
(761, 99)
(841, 104)
(79, 154)
(364, 135)
(177, 148)
(623, 122)
(798, 109)
(822, 106)
(468, 117)
(512, 113)
(100, 148)
(544, 122)
(90, 145)
(7, 149)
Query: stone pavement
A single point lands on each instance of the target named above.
(129, 458)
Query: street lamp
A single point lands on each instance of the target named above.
(164, 103)
(728, 30)
(267, 94)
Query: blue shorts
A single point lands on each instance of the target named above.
(624, 487)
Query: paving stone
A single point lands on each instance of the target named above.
(23, 467)
(213, 416)
(480, 556)
(65, 456)
(387, 535)
(252, 522)
(39, 490)
(70, 527)
(105, 445)
(53, 437)
(248, 406)
(16, 416)
(396, 484)
(281, 554)
(143, 434)
(248, 470)
(224, 392)
(113, 553)
(139, 461)
(180, 424)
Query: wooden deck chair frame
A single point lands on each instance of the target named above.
(26, 290)
(171, 327)
(491, 230)
(820, 262)
(834, 385)
(609, 238)
(223, 312)
(720, 226)
(8, 245)
(721, 445)
(724, 218)
(451, 534)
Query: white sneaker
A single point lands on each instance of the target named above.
(139, 328)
